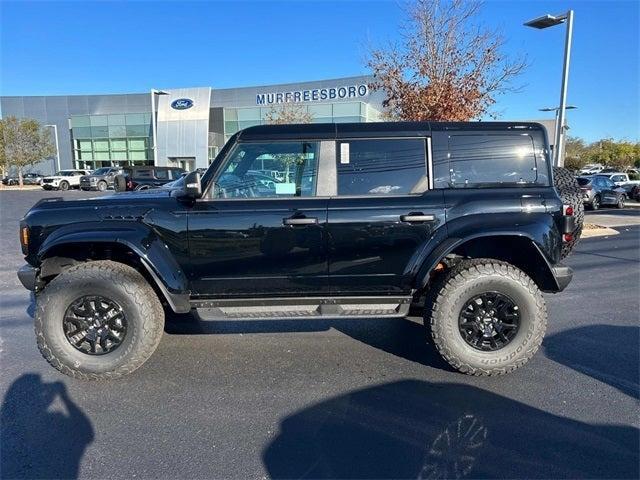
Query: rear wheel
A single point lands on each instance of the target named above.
(486, 317)
(98, 320)
(570, 194)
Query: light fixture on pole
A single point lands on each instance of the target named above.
(55, 134)
(549, 21)
(556, 110)
(154, 124)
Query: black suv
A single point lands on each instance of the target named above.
(145, 177)
(360, 220)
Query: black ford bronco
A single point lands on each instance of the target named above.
(323, 221)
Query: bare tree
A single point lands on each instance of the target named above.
(446, 67)
(24, 142)
(288, 113)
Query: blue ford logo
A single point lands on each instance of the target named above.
(182, 104)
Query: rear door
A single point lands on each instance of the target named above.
(383, 215)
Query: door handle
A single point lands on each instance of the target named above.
(417, 217)
(300, 221)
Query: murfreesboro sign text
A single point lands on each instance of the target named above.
(313, 95)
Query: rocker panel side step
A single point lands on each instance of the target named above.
(307, 307)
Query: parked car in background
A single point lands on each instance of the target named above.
(100, 179)
(621, 180)
(599, 190)
(30, 178)
(147, 176)
(64, 179)
(591, 169)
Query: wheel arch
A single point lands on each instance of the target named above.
(152, 259)
(516, 248)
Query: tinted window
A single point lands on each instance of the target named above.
(162, 174)
(583, 181)
(486, 160)
(279, 169)
(143, 173)
(381, 167)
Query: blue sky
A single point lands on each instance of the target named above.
(108, 47)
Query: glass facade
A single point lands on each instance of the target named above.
(236, 119)
(106, 140)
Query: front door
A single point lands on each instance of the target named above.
(261, 231)
(382, 217)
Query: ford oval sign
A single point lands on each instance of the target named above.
(182, 104)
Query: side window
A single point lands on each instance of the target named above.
(162, 174)
(491, 160)
(618, 178)
(382, 166)
(269, 170)
(143, 173)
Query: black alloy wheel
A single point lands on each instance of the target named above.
(95, 325)
(489, 321)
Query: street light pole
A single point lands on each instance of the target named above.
(154, 123)
(55, 133)
(545, 22)
(560, 133)
(557, 112)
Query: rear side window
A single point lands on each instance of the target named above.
(382, 166)
(491, 160)
(143, 173)
(162, 174)
(583, 181)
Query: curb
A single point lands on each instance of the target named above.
(600, 231)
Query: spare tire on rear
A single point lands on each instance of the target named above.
(570, 194)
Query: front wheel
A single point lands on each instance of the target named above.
(595, 204)
(98, 320)
(102, 186)
(621, 200)
(486, 317)
(64, 185)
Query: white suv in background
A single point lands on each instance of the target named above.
(64, 179)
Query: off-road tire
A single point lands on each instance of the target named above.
(119, 282)
(467, 279)
(570, 194)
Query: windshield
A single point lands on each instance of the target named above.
(102, 171)
(65, 173)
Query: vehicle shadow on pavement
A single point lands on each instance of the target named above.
(416, 429)
(608, 353)
(37, 439)
(397, 336)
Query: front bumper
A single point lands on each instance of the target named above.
(28, 276)
(562, 275)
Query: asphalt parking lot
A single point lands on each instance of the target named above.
(334, 399)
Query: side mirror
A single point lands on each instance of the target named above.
(192, 187)
(120, 183)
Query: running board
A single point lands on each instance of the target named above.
(307, 307)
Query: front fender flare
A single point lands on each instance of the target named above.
(142, 241)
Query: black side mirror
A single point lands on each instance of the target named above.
(192, 187)
(120, 183)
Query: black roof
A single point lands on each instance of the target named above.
(332, 131)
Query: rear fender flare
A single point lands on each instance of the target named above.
(543, 275)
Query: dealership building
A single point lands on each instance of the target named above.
(183, 127)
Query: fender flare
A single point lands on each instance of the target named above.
(546, 278)
(143, 242)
